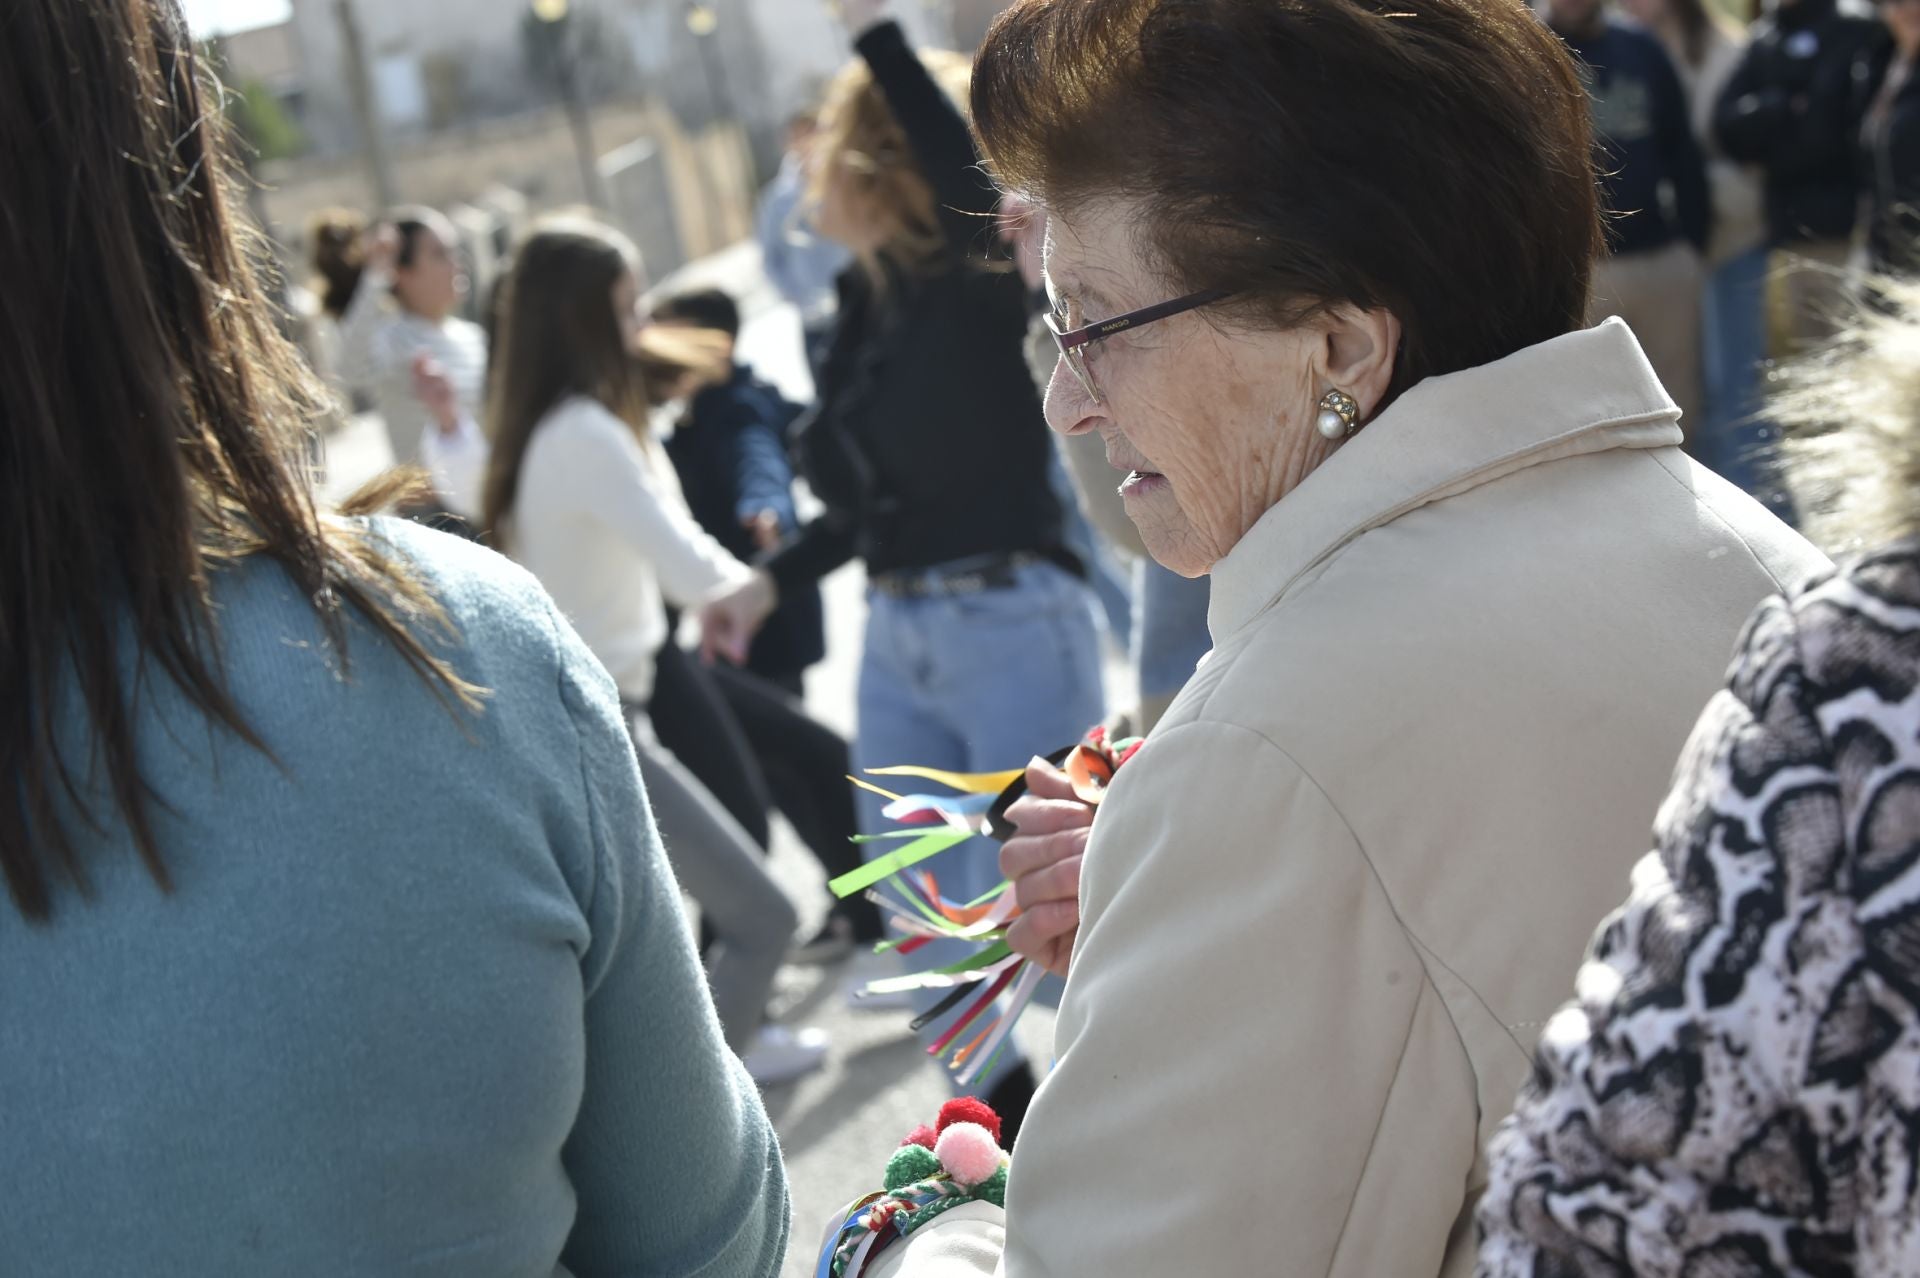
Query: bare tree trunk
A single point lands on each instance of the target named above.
(578, 119)
(365, 109)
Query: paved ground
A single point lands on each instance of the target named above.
(836, 1126)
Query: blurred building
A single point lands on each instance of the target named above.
(268, 56)
(439, 64)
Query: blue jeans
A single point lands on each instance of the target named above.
(1170, 629)
(1736, 441)
(974, 683)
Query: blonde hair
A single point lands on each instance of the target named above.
(1850, 414)
(861, 146)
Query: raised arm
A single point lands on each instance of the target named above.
(937, 133)
(367, 334)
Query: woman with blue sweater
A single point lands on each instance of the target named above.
(340, 939)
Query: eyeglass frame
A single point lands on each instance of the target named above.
(1073, 343)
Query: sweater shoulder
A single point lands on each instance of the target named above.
(490, 602)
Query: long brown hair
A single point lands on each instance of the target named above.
(150, 420)
(337, 248)
(558, 337)
(861, 150)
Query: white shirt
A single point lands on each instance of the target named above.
(378, 341)
(600, 519)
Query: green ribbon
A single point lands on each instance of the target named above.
(897, 860)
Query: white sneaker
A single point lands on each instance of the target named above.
(780, 1055)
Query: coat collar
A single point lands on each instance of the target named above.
(1583, 392)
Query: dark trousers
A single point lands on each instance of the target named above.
(754, 747)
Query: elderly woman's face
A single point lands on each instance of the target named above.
(1213, 424)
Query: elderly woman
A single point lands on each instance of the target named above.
(1733, 1092)
(1320, 269)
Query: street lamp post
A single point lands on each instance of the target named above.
(555, 13)
(365, 108)
(703, 21)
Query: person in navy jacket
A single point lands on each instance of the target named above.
(1657, 202)
(731, 453)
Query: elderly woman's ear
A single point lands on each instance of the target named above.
(1358, 352)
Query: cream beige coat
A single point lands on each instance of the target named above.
(1328, 906)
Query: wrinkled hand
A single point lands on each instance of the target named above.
(1043, 863)
(765, 527)
(434, 389)
(728, 621)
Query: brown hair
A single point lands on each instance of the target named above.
(337, 249)
(558, 336)
(1432, 157)
(153, 418)
(861, 147)
(413, 220)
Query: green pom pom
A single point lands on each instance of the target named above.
(911, 1163)
(993, 1189)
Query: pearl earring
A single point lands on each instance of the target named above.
(1338, 415)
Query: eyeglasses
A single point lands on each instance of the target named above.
(1073, 343)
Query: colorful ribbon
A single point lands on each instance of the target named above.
(921, 914)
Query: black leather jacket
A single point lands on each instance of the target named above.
(1786, 109)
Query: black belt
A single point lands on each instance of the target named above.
(962, 577)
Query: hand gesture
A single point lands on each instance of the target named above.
(764, 525)
(1043, 863)
(728, 621)
(383, 250)
(434, 389)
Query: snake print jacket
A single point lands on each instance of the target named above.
(1735, 1092)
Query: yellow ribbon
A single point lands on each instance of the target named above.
(966, 782)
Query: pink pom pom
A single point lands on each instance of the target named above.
(968, 1153)
(969, 1109)
(922, 1135)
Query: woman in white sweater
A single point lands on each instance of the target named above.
(578, 492)
(402, 313)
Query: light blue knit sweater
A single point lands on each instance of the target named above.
(422, 1002)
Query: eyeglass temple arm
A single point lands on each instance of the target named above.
(1146, 315)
